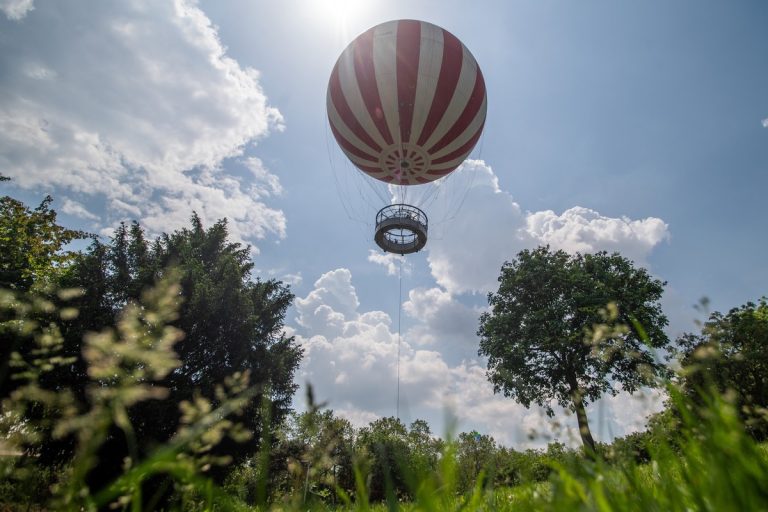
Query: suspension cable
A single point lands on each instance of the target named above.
(399, 310)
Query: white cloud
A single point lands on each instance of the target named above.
(357, 417)
(492, 228)
(765, 122)
(327, 306)
(485, 232)
(391, 262)
(78, 210)
(624, 413)
(443, 323)
(351, 356)
(583, 230)
(38, 71)
(292, 279)
(269, 184)
(16, 9)
(141, 109)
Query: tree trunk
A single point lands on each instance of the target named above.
(581, 416)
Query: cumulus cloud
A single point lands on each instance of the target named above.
(349, 356)
(292, 279)
(357, 417)
(268, 183)
(391, 262)
(351, 360)
(140, 109)
(583, 230)
(327, 306)
(488, 230)
(765, 122)
(443, 323)
(492, 228)
(78, 210)
(16, 9)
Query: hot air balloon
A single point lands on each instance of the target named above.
(406, 104)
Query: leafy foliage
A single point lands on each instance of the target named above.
(718, 467)
(32, 245)
(125, 365)
(541, 338)
(232, 324)
(394, 453)
(33, 256)
(731, 355)
(476, 454)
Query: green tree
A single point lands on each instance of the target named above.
(731, 354)
(424, 448)
(540, 336)
(384, 442)
(323, 451)
(32, 245)
(33, 257)
(475, 453)
(232, 323)
(397, 456)
(125, 365)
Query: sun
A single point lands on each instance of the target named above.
(338, 13)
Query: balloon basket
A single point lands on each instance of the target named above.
(401, 229)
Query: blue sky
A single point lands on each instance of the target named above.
(631, 126)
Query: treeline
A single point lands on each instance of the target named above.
(157, 373)
(317, 454)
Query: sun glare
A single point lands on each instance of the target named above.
(337, 13)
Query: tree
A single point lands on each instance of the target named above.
(385, 444)
(32, 245)
(731, 354)
(33, 257)
(322, 447)
(475, 452)
(232, 323)
(537, 334)
(397, 456)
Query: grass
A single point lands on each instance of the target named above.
(716, 467)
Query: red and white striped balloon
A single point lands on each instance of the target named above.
(406, 102)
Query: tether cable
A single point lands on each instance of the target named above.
(399, 311)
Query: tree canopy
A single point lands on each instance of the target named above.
(33, 257)
(231, 323)
(731, 355)
(540, 336)
(32, 245)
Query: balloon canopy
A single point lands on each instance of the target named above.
(406, 102)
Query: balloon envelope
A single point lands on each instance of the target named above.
(406, 102)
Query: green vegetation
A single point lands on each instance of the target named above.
(33, 257)
(232, 324)
(541, 335)
(731, 356)
(154, 376)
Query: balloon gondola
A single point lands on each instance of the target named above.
(401, 229)
(406, 103)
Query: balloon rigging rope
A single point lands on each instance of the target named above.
(335, 174)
